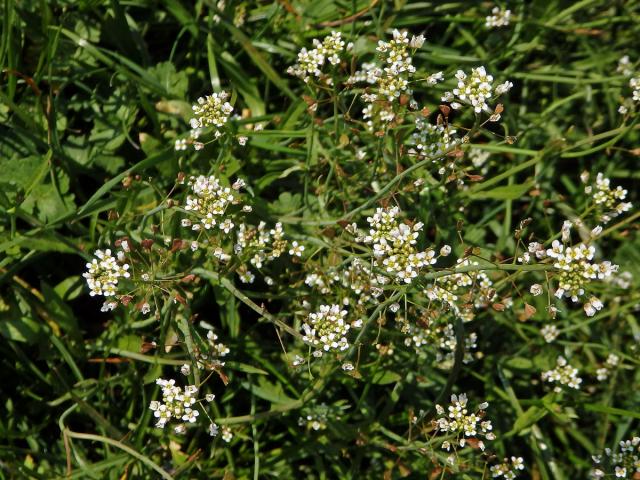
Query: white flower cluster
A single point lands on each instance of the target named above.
(458, 421)
(479, 158)
(394, 243)
(370, 73)
(622, 464)
(326, 330)
(104, 272)
(432, 140)
(562, 374)
(357, 277)
(317, 417)
(362, 281)
(211, 110)
(625, 68)
(310, 62)
(443, 337)
(263, 244)
(449, 289)
(575, 271)
(391, 79)
(508, 468)
(475, 90)
(216, 350)
(322, 280)
(209, 201)
(176, 403)
(499, 18)
(612, 362)
(398, 65)
(609, 200)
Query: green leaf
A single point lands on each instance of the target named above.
(519, 363)
(596, 407)
(174, 82)
(532, 415)
(243, 367)
(268, 391)
(508, 192)
(60, 312)
(22, 329)
(385, 377)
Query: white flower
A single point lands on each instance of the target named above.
(536, 289)
(227, 436)
(296, 249)
(416, 42)
(550, 333)
(108, 306)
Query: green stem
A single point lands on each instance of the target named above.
(98, 438)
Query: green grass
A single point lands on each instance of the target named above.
(93, 96)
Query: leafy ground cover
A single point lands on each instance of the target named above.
(319, 239)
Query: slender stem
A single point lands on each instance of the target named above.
(99, 438)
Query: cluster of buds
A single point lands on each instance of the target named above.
(457, 420)
(177, 404)
(310, 62)
(508, 468)
(103, 273)
(394, 245)
(475, 90)
(608, 201)
(562, 374)
(622, 464)
(326, 330)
